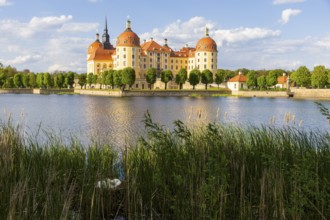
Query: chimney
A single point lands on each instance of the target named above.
(151, 38)
(240, 73)
(284, 74)
(144, 41)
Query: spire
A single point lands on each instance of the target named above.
(207, 32)
(128, 23)
(106, 36)
(97, 37)
(106, 25)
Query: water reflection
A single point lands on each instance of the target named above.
(118, 120)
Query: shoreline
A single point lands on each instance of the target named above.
(299, 93)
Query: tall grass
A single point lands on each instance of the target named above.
(212, 171)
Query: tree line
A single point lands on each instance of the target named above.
(319, 77)
(11, 78)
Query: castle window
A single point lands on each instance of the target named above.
(124, 49)
(150, 60)
(145, 66)
(171, 61)
(212, 66)
(186, 62)
(124, 56)
(133, 56)
(150, 65)
(145, 60)
(205, 53)
(198, 54)
(125, 41)
(166, 67)
(165, 60)
(133, 64)
(124, 63)
(176, 61)
(150, 54)
(212, 59)
(198, 61)
(204, 59)
(176, 67)
(204, 66)
(181, 61)
(165, 54)
(171, 67)
(136, 85)
(158, 54)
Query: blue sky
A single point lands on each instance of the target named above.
(257, 34)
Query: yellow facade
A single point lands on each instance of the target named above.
(150, 54)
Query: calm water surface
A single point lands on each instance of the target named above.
(116, 120)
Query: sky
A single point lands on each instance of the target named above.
(53, 35)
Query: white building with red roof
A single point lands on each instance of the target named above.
(237, 83)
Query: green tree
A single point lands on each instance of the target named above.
(272, 76)
(2, 79)
(103, 80)
(206, 77)
(194, 77)
(117, 78)
(229, 74)
(181, 77)
(109, 79)
(40, 80)
(319, 77)
(128, 76)
(219, 77)
(25, 80)
(47, 80)
(262, 82)
(9, 83)
(32, 80)
(82, 79)
(151, 76)
(301, 76)
(90, 79)
(69, 79)
(166, 76)
(18, 80)
(251, 80)
(59, 80)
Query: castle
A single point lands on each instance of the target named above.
(129, 52)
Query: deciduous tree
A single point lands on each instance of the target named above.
(181, 77)
(301, 76)
(194, 77)
(219, 77)
(128, 76)
(166, 76)
(206, 77)
(319, 77)
(251, 80)
(151, 76)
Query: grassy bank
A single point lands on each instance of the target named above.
(211, 172)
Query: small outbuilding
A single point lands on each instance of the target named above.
(282, 81)
(237, 82)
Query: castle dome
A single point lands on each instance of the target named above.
(97, 52)
(95, 45)
(206, 43)
(128, 38)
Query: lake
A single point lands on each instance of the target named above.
(118, 120)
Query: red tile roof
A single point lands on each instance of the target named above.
(282, 79)
(238, 78)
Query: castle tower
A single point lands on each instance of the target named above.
(206, 53)
(128, 50)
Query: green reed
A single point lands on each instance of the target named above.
(212, 171)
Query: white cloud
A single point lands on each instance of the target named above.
(5, 3)
(24, 59)
(50, 21)
(287, 14)
(78, 27)
(244, 34)
(278, 2)
(179, 33)
(323, 43)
